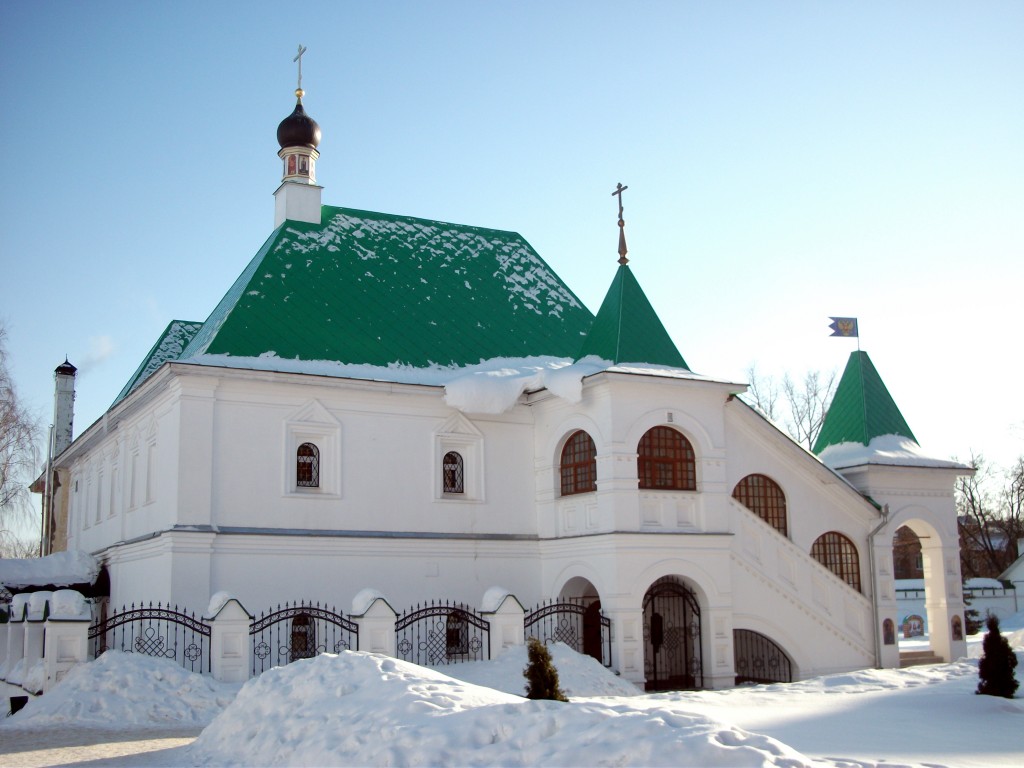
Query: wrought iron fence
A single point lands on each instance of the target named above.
(442, 633)
(299, 631)
(577, 623)
(758, 659)
(160, 631)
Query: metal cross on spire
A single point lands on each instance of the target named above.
(619, 189)
(298, 57)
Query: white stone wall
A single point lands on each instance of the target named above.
(206, 501)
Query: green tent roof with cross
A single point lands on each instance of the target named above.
(378, 289)
(628, 330)
(862, 408)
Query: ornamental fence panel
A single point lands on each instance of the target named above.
(299, 631)
(577, 623)
(160, 631)
(442, 633)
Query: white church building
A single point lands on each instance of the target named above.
(426, 410)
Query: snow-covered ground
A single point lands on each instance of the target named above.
(366, 709)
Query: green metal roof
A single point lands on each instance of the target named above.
(376, 289)
(862, 408)
(169, 346)
(628, 330)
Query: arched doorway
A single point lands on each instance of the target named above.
(758, 659)
(672, 637)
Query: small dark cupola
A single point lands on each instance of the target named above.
(298, 197)
(299, 136)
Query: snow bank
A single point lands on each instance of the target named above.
(128, 689)
(61, 570)
(367, 709)
(895, 450)
(578, 674)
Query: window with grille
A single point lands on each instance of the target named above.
(579, 464)
(307, 466)
(839, 555)
(453, 473)
(763, 496)
(666, 461)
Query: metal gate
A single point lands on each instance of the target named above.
(578, 624)
(160, 631)
(442, 633)
(299, 631)
(758, 659)
(672, 637)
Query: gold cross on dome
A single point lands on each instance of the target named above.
(298, 58)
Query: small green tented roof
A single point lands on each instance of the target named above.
(376, 289)
(628, 330)
(169, 346)
(862, 408)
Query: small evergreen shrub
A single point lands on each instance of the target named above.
(541, 675)
(995, 669)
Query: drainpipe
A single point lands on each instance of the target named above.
(874, 582)
(44, 534)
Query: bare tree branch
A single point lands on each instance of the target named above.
(19, 449)
(804, 402)
(990, 518)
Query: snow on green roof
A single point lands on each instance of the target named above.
(862, 408)
(628, 330)
(378, 289)
(169, 346)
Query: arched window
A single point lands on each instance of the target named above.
(307, 466)
(839, 555)
(303, 638)
(452, 473)
(579, 464)
(456, 635)
(763, 496)
(666, 461)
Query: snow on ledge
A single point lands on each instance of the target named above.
(491, 386)
(61, 569)
(893, 450)
(493, 598)
(364, 599)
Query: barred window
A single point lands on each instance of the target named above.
(579, 464)
(666, 461)
(839, 555)
(456, 635)
(307, 466)
(453, 474)
(763, 496)
(303, 638)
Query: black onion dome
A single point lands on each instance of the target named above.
(66, 368)
(298, 130)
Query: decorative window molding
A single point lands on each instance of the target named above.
(666, 461)
(458, 437)
(577, 466)
(318, 475)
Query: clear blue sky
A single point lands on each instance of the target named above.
(786, 162)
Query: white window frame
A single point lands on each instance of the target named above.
(460, 435)
(313, 424)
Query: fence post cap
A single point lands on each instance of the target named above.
(225, 606)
